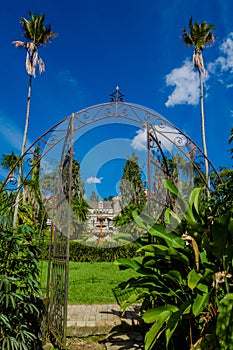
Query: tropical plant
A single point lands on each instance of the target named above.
(221, 199)
(185, 277)
(75, 186)
(32, 192)
(200, 36)
(9, 162)
(132, 192)
(21, 308)
(37, 35)
(131, 184)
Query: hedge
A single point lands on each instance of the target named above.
(86, 253)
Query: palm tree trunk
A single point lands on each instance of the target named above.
(20, 174)
(203, 130)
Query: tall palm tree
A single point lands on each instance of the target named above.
(36, 35)
(199, 37)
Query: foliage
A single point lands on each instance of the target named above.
(36, 34)
(86, 253)
(32, 192)
(185, 275)
(6, 198)
(132, 196)
(20, 304)
(78, 203)
(131, 185)
(10, 162)
(222, 196)
(199, 36)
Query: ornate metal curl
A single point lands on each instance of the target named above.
(117, 96)
(179, 141)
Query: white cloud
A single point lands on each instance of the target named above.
(224, 62)
(167, 136)
(139, 141)
(94, 180)
(185, 80)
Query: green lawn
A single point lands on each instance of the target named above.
(91, 283)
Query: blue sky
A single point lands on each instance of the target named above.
(130, 43)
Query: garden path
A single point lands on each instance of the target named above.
(85, 320)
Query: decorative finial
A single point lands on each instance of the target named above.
(117, 96)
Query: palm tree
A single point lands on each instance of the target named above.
(37, 35)
(199, 37)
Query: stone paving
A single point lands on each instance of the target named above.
(85, 320)
(107, 319)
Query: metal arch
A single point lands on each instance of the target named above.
(112, 111)
(62, 135)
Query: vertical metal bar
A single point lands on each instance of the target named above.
(148, 168)
(68, 227)
(148, 174)
(49, 261)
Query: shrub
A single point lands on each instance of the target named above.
(84, 253)
(21, 309)
(185, 277)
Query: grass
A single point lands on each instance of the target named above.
(91, 282)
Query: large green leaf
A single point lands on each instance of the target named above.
(143, 220)
(170, 238)
(175, 276)
(128, 263)
(190, 208)
(200, 302)
(152, 315)
(175, 318)
(224, 326)
(194, 199)
(219, 234)
(193, 279)
(182, 203)
(154, 332)
(162, 251)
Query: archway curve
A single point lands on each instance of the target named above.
(114, 112)
(61, 136)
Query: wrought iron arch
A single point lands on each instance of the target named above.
(61, 137)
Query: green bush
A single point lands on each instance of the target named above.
(185, 277)
(86, 253)
(21, 309)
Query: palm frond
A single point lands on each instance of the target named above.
(18, 43)
(36, 34)
(231, 136)
(200, 36)
(41, 66)
(25, 24)
(35, 30)
(187, 38)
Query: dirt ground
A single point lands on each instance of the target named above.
(90, 343)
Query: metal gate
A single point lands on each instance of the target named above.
(59, 140)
